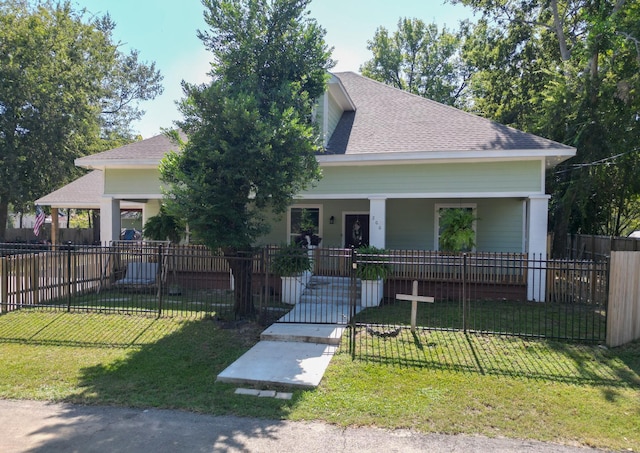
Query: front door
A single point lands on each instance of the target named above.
(356, 230)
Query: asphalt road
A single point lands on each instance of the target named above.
(29, 426)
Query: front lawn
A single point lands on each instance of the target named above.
(433, 381)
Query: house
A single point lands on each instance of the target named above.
(393, 162)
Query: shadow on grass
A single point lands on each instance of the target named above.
(503, 356)
(164, 363)
(178, 371)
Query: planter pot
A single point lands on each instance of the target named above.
(372, 292)
(292, 288)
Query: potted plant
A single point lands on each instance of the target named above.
(372, 269)
(457, 233)
(293, 265)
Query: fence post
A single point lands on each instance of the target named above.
(265, 294)
(352, 308)
(68, 277)
(4, 285)
(161, 272)
(35, 279)
(464, 292)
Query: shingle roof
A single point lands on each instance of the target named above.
(151, 149)
(85, 192)
(389, 120)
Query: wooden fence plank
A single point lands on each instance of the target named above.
(623, 320)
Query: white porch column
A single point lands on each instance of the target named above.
(377, 221)
(537, 214)
(109, 220)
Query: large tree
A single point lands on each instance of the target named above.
(66, 91)
(251, 142)
(568, 70)
(419, 58)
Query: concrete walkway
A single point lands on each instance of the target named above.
(296, 351)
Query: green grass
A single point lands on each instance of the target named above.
(433, 381)
(549, 320)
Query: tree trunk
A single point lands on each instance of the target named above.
(561, 225)
(558, 24)
(241, 265)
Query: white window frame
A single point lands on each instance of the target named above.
(439, 206)
(305, 206)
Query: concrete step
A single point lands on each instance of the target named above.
(324, 279)
(318, 313)
(329, 290)
(309, 298)
(304, 333)
(292, 364)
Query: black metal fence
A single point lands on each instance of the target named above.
(487, 293)
(129, 277)
(511, 294)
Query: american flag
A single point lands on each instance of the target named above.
(39, 220)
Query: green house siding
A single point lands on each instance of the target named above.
(410, 223)
(500, 225)
(123, 181)
(333, 116)
(517, 176)
(499, 228)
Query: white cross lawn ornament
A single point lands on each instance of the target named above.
(414, 298)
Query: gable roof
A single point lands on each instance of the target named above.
(83, 193)
(381, 124)
(144, 153)
(388, 120)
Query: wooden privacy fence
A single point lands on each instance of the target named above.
(577, 281)
(588, 246)
(623, 321)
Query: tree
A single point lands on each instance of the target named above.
(568, 70)
(420, 59)
(66, 91)
(251, 143)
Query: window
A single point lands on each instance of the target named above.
(440, 212)
(304, 218)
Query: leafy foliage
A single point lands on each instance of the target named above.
(457, 233)
(568, 70)
(418, 58)
(164, 226)
(66, 91)
(251, 142)
(291, 260)
(372, 263)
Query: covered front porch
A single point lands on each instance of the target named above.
(506, 224)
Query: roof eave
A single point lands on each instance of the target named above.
(552, 157)
(102, 164)
(340, 95)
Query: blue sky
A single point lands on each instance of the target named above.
(164, 31)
